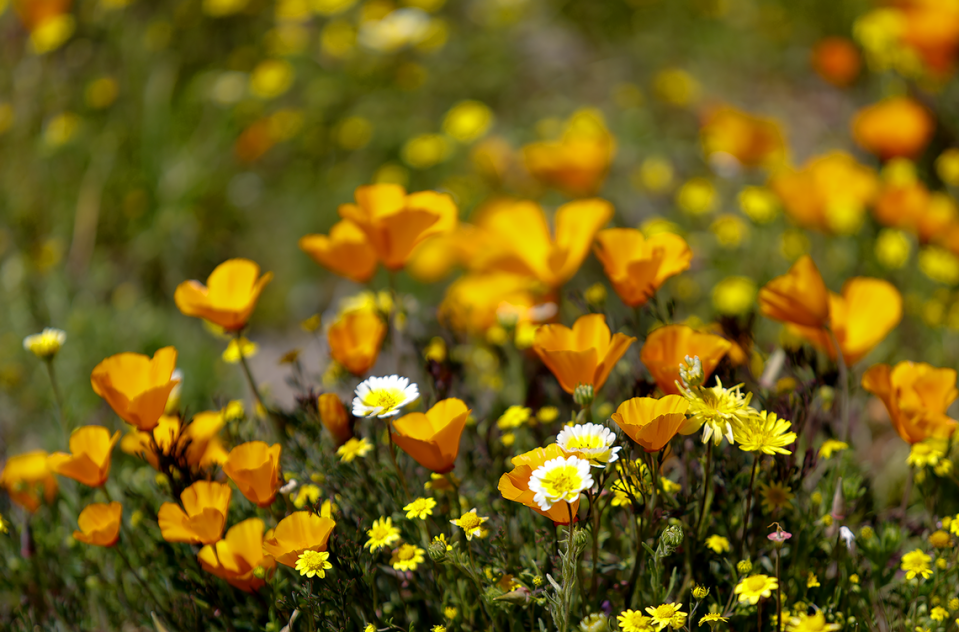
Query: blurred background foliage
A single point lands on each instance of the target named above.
(142, 143)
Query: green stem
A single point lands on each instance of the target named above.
(143, 584)
(277, 422)
(749, 502)
(707, 486)
(396, 465)
(57, 397)
(844, 378)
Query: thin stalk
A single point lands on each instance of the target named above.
(396, 465)
(844, 378)
(57, 397)
(139, 579)
(277, 422)
(749, 502)
(707, 485)
(779, 594)
(904, 505)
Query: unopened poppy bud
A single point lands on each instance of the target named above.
(838, 503)
(583, 394)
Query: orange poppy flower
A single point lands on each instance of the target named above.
(636, 266)
(836, 60)
(829, 193)
(474, 302)
(27, 478)
(749, 139)
(514, 485)
(584, 354)
(931, 29)
(255, 468)
(860, 318)
(334, 417)
(799, 297)
(433, 439)
(89, 460)
(667, 347)
(34, 13)
(300, 531)
(899, 126)
(99, 524)
(519, 241)
(229, 296)
(902, 205)
(651, 422)
(203, 516)
(237, 557)
(355, 339)
(578, 163)
(345, 251)
(917, 396)
(135, 386)
(193, 445)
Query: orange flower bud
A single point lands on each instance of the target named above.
(345, 251)
(27, 477)
(89, 461)
(667, 347)
(300, 531)
(334, 417)
(99, 524)
(584, 354)
(433, 439)
(637, 267)
(899, 126)
(514, 485)
(651, 422)
(255, 468)
(203, 516)
(578, 163)
(355, 340)
(836, 60)
(917, 396)
(237, 557)
(799, 297)
(135, 386)
(229, 296)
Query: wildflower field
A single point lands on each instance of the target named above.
(470, 315)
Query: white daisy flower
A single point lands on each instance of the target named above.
(383, 396)
(558, 480)
(592, 442)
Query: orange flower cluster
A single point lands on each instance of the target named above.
(576, 164)
(727, 133)
(385, 226)
(858, 319)
(917, 396)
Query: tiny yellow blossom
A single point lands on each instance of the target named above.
(420, 508)
(718, 544)
(354, 448)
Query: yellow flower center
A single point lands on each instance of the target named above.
(406, 552)
(469, 521)
(755, 584)
(385, 398)
(562, 480)
(585, 442)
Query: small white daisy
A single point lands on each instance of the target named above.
(383, 396)
(592, 442)
(558, 480)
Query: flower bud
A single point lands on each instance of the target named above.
(691, 372)
(437, 550)
(583, 394)
(744, 567)
(671, 539)
(700, 592)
